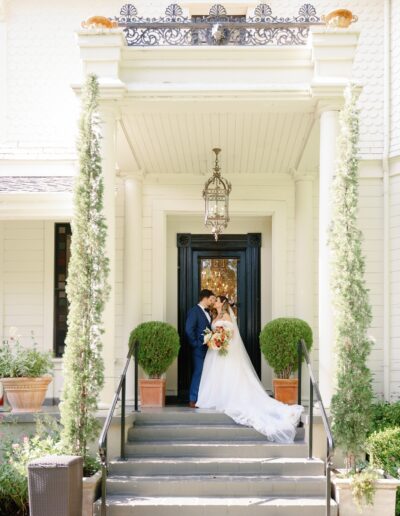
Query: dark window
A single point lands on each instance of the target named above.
(61, 260)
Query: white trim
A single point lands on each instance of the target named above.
(276, 209)
(48, 285)
(2, 336)
(36, 206)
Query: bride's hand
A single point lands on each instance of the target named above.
(227, 317)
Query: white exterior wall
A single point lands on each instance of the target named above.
(395, 286)
(42, 61)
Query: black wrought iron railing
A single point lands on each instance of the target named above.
(120, 395)
(314, 389)
(217, 27)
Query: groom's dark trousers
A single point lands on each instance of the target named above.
(196, 323)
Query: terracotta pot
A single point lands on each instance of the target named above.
(384, 499)
(26, 394)
(286, 390)
(91, 490)
(341, 18)
(152, 392)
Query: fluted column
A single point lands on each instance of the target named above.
(132, 264)
(108, 154)
(327, 164)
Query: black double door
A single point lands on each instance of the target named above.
(242, 253)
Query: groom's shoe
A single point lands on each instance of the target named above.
(192, 404)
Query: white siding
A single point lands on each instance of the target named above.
(395, 286)
(395, 79)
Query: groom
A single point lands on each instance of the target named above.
(198, 319)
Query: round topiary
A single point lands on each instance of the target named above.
(278, 342)
(158, 346)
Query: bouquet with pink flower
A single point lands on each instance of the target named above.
(218, 340)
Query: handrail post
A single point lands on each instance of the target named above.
(136, 375)
(311, 421)
(123, 396)
(104, 480)
(300, 361)
(328, 480)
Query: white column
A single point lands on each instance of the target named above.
(108, 153)
(304, 254)
(328, 136)
(132, 265)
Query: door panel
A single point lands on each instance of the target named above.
(244, 250)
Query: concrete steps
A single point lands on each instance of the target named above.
(124, 505)
(186, 462)
(216, 465)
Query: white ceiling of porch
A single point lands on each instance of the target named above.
(176, 142)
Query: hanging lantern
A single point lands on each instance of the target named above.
(216, 195)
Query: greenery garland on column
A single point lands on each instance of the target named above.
(351, 403)
(87, 286)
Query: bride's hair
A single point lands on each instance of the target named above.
(225, 304)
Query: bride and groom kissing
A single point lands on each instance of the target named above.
(228, 382)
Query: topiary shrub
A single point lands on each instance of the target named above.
(158, 346)
(278, 342)
(385, 415)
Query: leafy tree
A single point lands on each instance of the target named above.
(87, 286)
(352, 401)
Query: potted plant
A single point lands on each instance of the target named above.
(24, 374)
(158, 347)
(278, 342)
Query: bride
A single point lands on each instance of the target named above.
(230, 384)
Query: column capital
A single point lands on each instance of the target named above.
(298, 175)
(137, 175)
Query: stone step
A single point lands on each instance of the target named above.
(124, 505)
(182, 416)
(217, 465)
(217, 485)
(179, 432)
(231, 449)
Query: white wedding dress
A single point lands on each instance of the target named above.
(230, 384)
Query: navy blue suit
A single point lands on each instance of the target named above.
(196, 324)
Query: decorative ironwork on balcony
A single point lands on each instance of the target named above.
(217, 28)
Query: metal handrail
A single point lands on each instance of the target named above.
(330, 444)
(121, 389)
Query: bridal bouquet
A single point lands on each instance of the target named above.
(218, 340)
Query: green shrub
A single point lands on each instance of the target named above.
(158, 346)
(385, 415)
(384, 450)
(278, 342)
(14, 466)
(17, 361)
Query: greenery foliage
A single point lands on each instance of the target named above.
(385, 415)
(158, 346)
(363, 487)
(87, 286)
(351, 403)
(384, 450)
(18, 362)
(17, 455)
(278, 341)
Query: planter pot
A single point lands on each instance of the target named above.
(26, 394)
(286, 390)
(152, 392)
(384, 500)
(91, 487)
(341, 18)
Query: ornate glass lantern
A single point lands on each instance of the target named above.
(216, 195)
